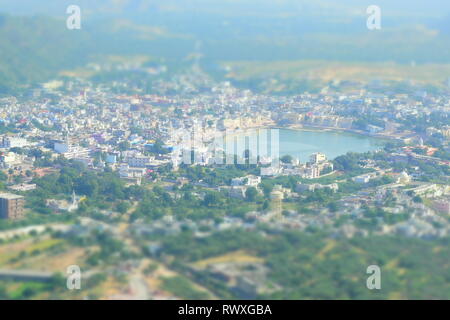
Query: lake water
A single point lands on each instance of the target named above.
(301, 144)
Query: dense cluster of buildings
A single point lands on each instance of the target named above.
(136, 135)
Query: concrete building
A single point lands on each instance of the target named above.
(23, 187)
(270, 171)
(317, 158)
(138, 161)
(61, 147)
(13, 142)
(10, 159)
(11, 206)
(70, 151)
(312, 172)
(316, 186)
(404, 178)
(250, 181)
(362, 179)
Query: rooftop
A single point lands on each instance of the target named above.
(10, 196)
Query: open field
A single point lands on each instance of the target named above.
(111, 61)
(41, 254)
(326, 71)
(239, 256)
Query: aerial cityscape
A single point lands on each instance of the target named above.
(172, 159)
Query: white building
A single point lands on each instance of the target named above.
(23, 187)
(70, 151)
(138, 161)
(362, 179)
(317, 158)
(250, 180)
(14, 142)
(312, 172)
(10, 159)
(125, 171)
(270, 171)
(61, 147)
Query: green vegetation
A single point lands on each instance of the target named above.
(32, 290)
(292, 76)
(183, 288)
(106, 191)
(311, 266)
(28, 59)
(217, 176)
(38, 49)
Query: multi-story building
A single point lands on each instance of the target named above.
(10, 159)
(71, 151)
(312, 172)
(13, 142)
(11, 206)
(250, 180)
(138, 161)
(317, 158)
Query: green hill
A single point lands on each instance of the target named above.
(34, 49)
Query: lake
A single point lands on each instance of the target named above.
(302, 143)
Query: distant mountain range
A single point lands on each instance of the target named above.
(35, 48)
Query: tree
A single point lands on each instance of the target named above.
(211, 199)
(3, 293)
(267, 188)
(348, 162)
(287, 159)
(87, 185)
(251, 193)
(333, 206)
(158, 147)
(17, 150)
(18, 179)
(419, 151)
(123, 207)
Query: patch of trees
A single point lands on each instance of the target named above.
(340, 273)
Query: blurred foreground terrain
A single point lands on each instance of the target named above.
(93, 149)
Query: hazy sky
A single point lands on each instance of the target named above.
(421, 8)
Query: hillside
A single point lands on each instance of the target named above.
(36, 49)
